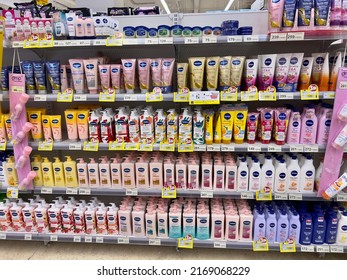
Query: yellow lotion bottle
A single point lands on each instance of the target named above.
(47, 173)
(11, 173)
(70, 171)
(58, 171)
(36, 166)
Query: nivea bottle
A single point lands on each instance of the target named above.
(259, 225)
(294, 227)
(282, 226)
(331, 227)
(319, 228)
(306, 229)
(271, 226)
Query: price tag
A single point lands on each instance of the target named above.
(231, 94)
(154, 242)
(46, 190)
(322, 249)
(296, 148)
(234, 39)
(91, 146)
(131, 146)
(99, 43)
(262, 245)
(343, 85)
(107, 96)
(307, 248)
(3, 146)
(206, 194)
(31, 43)
(127, 41)
(169, 192)
(40, 97)
(84, 191)
(45, 146)
(114, 41)
(254, 148)
(264, 194)
(17, 44)
(281, 196)
(80, 97)
(220, 244)
(46, 43)
(250, 38)
(165, 147)
(199, 148)
(12, 192)
(185, 148)
(311, 149)
(285, 95)
(75, 146)
(278, 37)
(341, 197)
(155, 96)
(204, 97)
(115, 146)
(65, 96)
(274, 148)
(295, 196)
(182, 95)
(54, 238)
(288, 247)
(77, 239)
(250, 95)
(268, 95)
(209, 39)
(227, 148)
(71, 191)
(166, 40)
(151, 41)
(310, 94)
(130, 97)
(88, 239)
(28, 237)
(247, 195)
(213, 148)
(132, 192)
(336, 249)
(99, 239)
(191, 40)
(328, 95)
(295, 36)
(123, 240)
(186, 242)
(146, 147)
(2, 236)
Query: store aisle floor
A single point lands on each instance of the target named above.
(20, 250)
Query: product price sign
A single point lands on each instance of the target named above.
(274, 148)
(250, 95)
(220, 244)
(322, 249)
(131, 192)
(185, 148)
(130, 97)
(146, 147)
(295, 36)
(123, 240)
(53, 238)
(77, 239)
(234, 39)
(18, 44)
(281, 196)
(336, 249)
(107, 96)
(250, 38)
(12, 192)
(288, 246)
(231, 94)
(209, 39)
(342, 197)
(2, 236)
(206, 194)
(200, 148)
(131, 146)
(278, 37)
(264, 195)
(28, 237)
(40, 98)
(227, 148)
(71, 191)
(75, 146)
(253, 148)
(115, 40)
(99, 239)
(45, 146)
(262, 245)
(46, 43)
(204, 97)
(3, 146)
(88, 239)
(307, 248)
(154, 242)
(115, 146)
(285, 95)
(182, 95)
(166, 147)
(186, 242)
(296, 148)
(268, 95)
(311, 148)
(65, 96)
(191, 40)
(46, 190)
(155, 96)
(80, 97)
(169, 192)
(247, 195)
(213, 148)
(84, 191)
(91, 146)
(151, 41)
(311, 93)
(295, 196)
(328, 95)
(166, 40)
(32, 43)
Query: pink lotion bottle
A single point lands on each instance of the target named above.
(79, 27)
(294, 128)
(89, 27)
(309, 127)
(217, 223)
(324, 123)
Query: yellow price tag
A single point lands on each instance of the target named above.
(168, 192)
(12, 192)
(115, 146)
(311, 93)
(91, 146)
(155, 96)
(65, 96)
(262, 245)
(31, 43)
(131, 146)
(288, 246)
(3, 146)
(186, 242)
(231, 94)
(185, 148)
(46, 43)
(182, 95)
(268, 95)
(107, 96)
(146, 147)
(165, 147)
(250, 95)
(45, 146)
(115, 40)
(264, 195)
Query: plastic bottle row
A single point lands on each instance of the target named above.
(215, 219)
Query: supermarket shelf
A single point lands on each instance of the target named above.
(108, 239)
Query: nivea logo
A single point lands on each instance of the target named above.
(174, 220)
(212, 63)
(89, 218)
(161, 220)
(327, 122)
(141, 169)
(57, 169)
(227, 116)
(185, 122)
(70, 116)
(294, 173)
(154, 64)
(137, 219)
(282, 175)
(52, 216)
(149, 222)
(203, 221)
(115, 70)
(319, 60)
(218, 222)
(223, 62)
(193, 172)
(160, 123)
(268, 61)
(189, 221)
(261, 225)
(100, 218)
(309, 122)
(103, 170)
(219, 172)
(120, 121)
(197, 63)
(76, 65)
(55, 121)
(252, 118)
(180, 69)
(283, 225)
(98, 21)
(246, 223)
(132, 123)
(123, 218)
(344, 228)
(27, 67)
(8, 121)
(45, 169)
(25, 214)
(39, 215)
(294, 226)
(90, 66)
(256, 174)
(167, 63)
(68, 169)
(128, 64)
(294, 60)
(9, 169)
(155, 170)
(267, 116)
(269, 173)
(282, 116)
(171, 122)
(92, 123)
(306, 62)
(251, 64)
(111, 219)
(243, 173)
(295, 124)
(275, 1)
(104, 70)
(92, 170)
(236, 62)
(180, 171)
(2, 213)
(206, 171)
(33, 116)
(81, 116)
(115, 170)
(81, 170)
(14, 214)
(126, 170)
(282, 61)
(168, 171)
(232, 224)
(272, 225)
(143, 64)
(35, 168)
(240, 116)
(145, 122)
(309, 173)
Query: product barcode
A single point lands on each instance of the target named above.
(307, 248)
(130, 97)
(77, 239)
(154, 242)
(47, 190)
(88, 239)
(54, 238)
(99, 239)
(123, 240)
(322, 249)
(247, 195)
(336, 249)
(295, 196)
(133, 192)
(71, 191)
(220, 244)
(281, 196)
(28, 237)
(206, 194)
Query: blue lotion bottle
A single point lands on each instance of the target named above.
(306, 229)
(319, 228)
(331, 227)
(282, 226)
(271, 226)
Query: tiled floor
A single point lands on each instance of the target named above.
(21, 250)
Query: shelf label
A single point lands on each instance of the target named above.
(204, 98)
(227, 148)
(53, 238)
(281, 196)
(99, 239)
(278, 37)
(166, 40)
(341, 197)
(191, 40)
(343, 85)
(268, 95)
(285, 95)
(130, 41)
(40, 97)
(131, 146)
(45, 146)
(200, 148)
(295, 196)
(247, 195)
(123, 240)
(151, 41)
(254, 148)
(155, 96)
(99, 42)
(31, 43)
(132, 192)
(71, 191)
(264, 195)
(336, 249)
(49, 43)
(262, 245)
(209, 39)
(186, 242)
(28, 237)
(88, 239)
(288, 246)
(311, 148)
(250, 95)
(17, 44)
(234, 39)
(2, 236)
(182, 95)
(185, 148)
(328, 95)
(154, 242)
(296, 148)
(213, 148)
(250, 38)
(231, 94)
(130, 97)
(307, 248)
(114, 41)
(310, 94)
(146, 147)
(65, 96)
(75, 146)
(295, 36)
(115, 146)
(46, 190)
(274, 148)
(169, 192)
(165, 147)
(80, 97)
(77, 239)
(206, 194)
(107, 96)
(84, 191)
(12, 192)
(220, 244)
(91, 146)
(322, 249)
